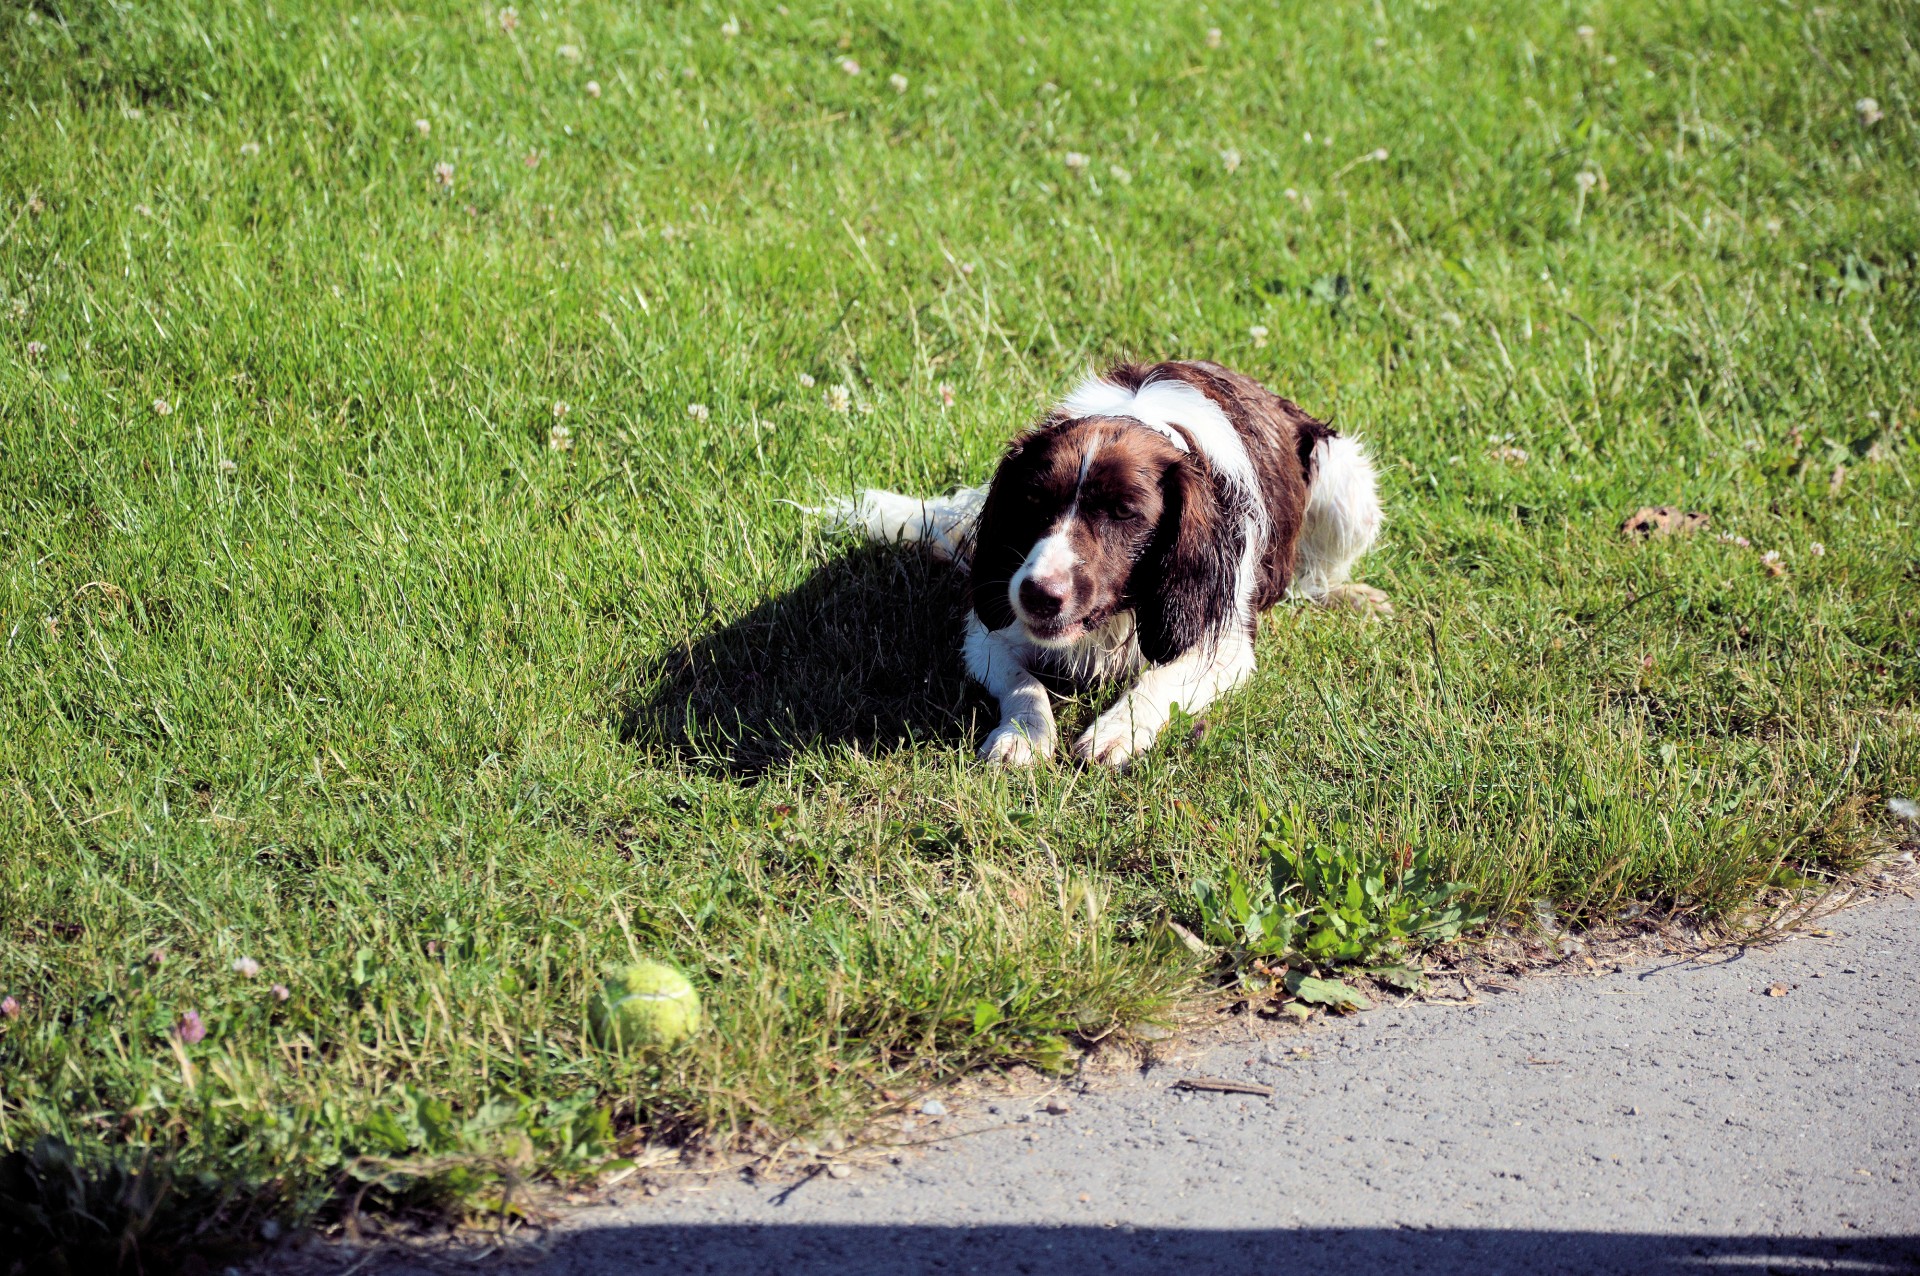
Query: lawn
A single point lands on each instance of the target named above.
(404, 414)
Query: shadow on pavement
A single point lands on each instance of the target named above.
(850, 1250)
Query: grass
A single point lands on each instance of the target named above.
(335, 663)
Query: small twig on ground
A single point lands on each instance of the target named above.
(1222, 1085)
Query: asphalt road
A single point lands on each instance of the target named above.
(1671, 1118)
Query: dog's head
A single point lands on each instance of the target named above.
(1095, 515)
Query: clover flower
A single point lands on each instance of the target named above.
(246, 967)
(189, 1028)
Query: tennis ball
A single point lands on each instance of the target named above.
(649, 1004)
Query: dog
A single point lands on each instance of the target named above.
(1137, 532)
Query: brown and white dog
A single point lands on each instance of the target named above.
(1137, 532)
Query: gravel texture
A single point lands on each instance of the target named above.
(1753, 1111)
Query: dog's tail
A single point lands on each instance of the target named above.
(1342, 517)
(943, 524)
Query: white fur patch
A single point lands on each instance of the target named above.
(1342, 516)
(944, 524)
(1049, 564)
(1161, 405)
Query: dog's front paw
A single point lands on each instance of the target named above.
(1010, 744)
(1117, 737)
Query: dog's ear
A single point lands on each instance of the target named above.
(1182, 585)
(1008, 527)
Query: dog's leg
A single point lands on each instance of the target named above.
(1342, 518)
(944, 524)
(1192, 680)
(998, 662)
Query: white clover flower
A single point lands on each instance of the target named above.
(162, 408)
(1214, 37)
(1869, 110)
(35, 349)
(280, 992)
(1231, 158)
(1511, 455)
(839, 398)
(898, 82)
(849, 66)
(806, 381)
(560, 409)
(570, 52)
(249, 148)
(443, 174)
(946, 395)
(1075, 160)
(1584, 32)
(1586, 181)
(1120, 175)
(731, 27)
(1817, 550)
(593, 88)
(509, 18)
(559, 438)
(246, 967)
(1259, 334)
(698, 411)
(228, 465)
(423, 127)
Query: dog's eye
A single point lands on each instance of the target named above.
(1124, 514)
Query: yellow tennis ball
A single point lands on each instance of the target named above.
(649, 1004)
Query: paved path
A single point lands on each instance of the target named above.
(1671, 1118)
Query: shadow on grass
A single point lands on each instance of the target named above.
(853, 1250)
(863, 654)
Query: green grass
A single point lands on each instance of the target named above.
(339, 666)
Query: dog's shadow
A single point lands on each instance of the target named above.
(862, 654)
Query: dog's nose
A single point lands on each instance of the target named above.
(1037, 601)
